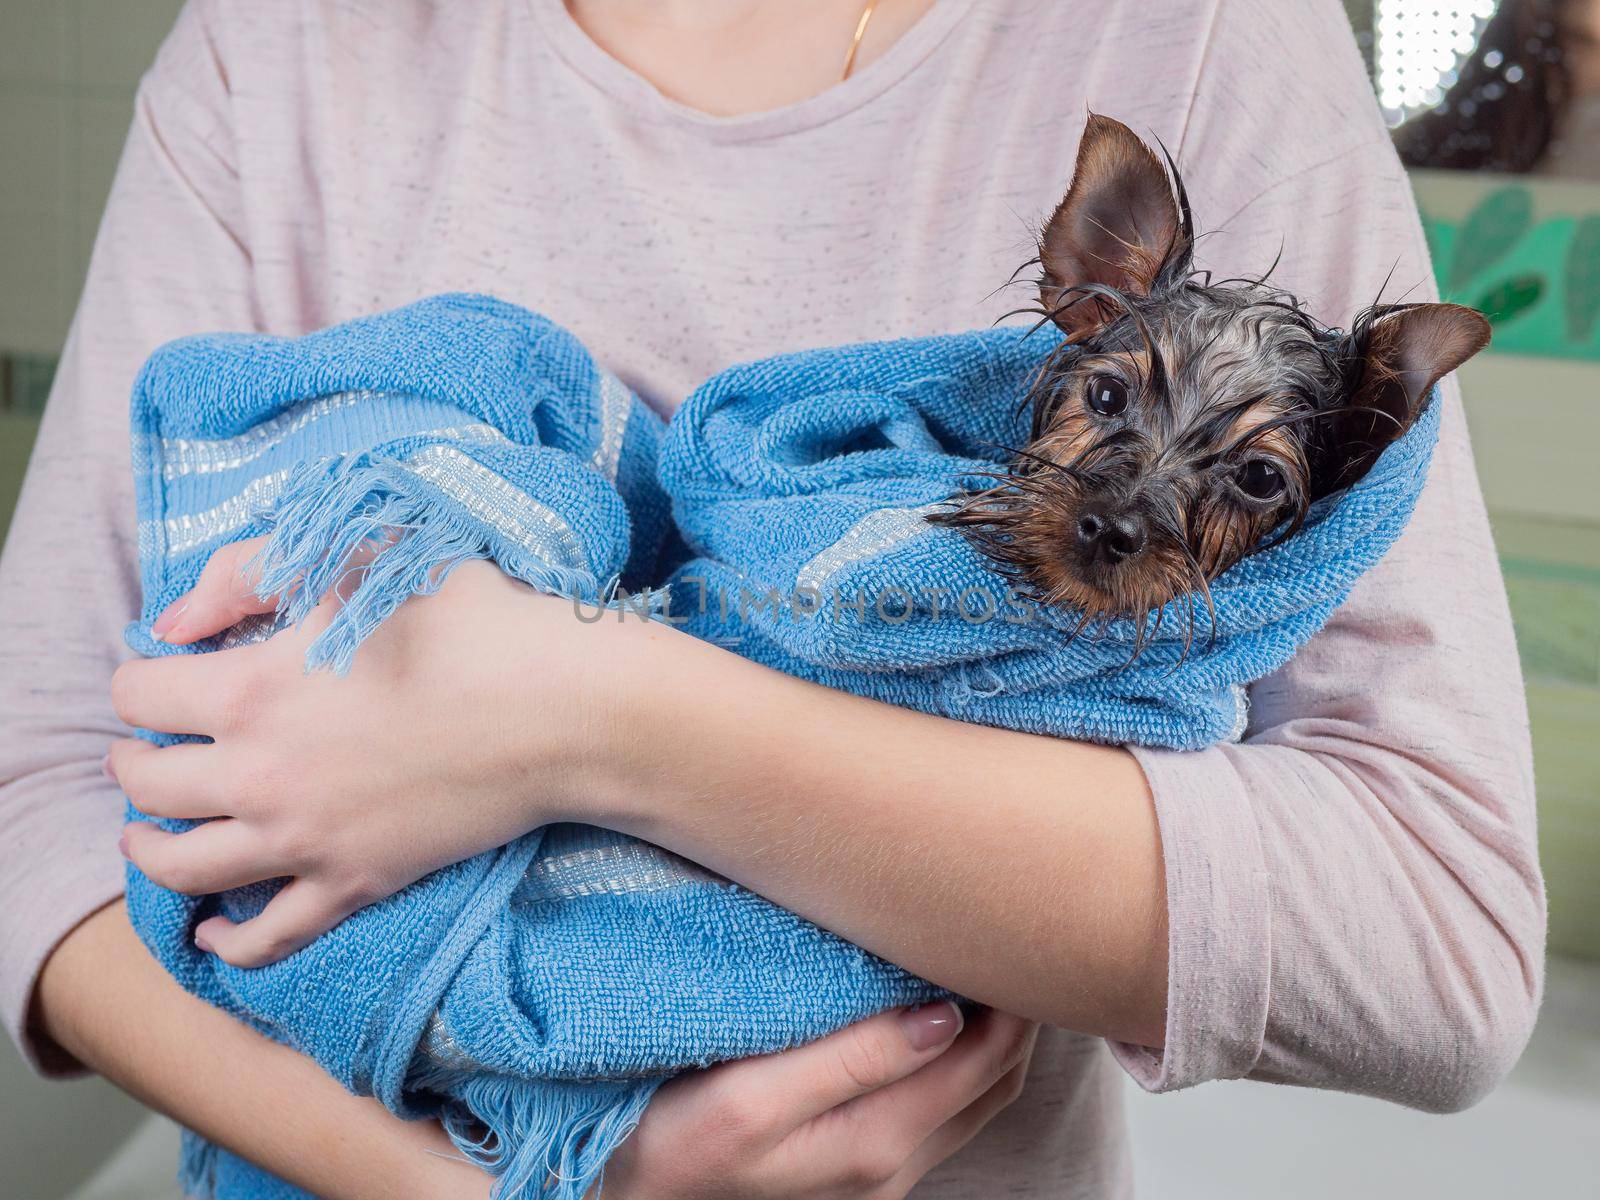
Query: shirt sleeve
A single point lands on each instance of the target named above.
(1354, 892)
(171, 259)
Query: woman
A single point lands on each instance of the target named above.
(1350, 898)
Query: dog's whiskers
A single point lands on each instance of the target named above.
(1184, 422)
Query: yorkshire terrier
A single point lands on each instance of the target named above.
(1185, 423)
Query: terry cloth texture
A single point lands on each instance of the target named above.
(535, 997)
(803, 483)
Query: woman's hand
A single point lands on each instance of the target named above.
(486, 710)
(861, 1115)
(427, 752)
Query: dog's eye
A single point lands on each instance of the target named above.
(1260, 479)
(1107, 395)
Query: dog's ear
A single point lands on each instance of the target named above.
(1401, 352)
(1118, 225)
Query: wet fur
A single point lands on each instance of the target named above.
(1218, 373)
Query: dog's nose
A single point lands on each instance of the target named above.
(1111, 534)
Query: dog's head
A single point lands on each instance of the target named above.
(1186, 420)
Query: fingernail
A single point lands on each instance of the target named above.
(930, 1025)
(168, 618)
(122, 845)
(105, 768)
(202, 945)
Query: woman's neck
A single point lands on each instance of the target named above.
(731, 57)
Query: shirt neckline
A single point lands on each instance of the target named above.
(580, 52)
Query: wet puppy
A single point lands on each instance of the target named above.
(1186, 423)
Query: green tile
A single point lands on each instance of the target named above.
(16, 440)
(35, 41)
(1569, 851)
(1566, 731)
(116, 40)
(25, 381)
(1558, 626)
(102, 128)
(1537, 542)
(1552, 572)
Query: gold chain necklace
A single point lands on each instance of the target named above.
(855, 42)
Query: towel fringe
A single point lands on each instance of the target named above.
(197, 1167)
(331, 509)
(545, 1139)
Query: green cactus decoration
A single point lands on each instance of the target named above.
(1516, 295)
(1528, 255)
(1583, 279)
(1491, 229)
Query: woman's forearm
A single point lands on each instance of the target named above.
(1023, 871)
(105, 1001)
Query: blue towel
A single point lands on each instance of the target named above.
(533, 998)
(803, 483)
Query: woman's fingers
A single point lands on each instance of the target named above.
(171, 695)
(295, 917)
(861, 1058)
(222, 597)
(226, 591)
(991, 1046)
(960, 1129)
(736, 1123)
(172, 781)
(214, 857)
(190, 693)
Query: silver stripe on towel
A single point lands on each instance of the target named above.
(869, 537)
(205, 456)
(1241, 718)
(195, 529)
(195, 456)
(202, 456)
(491, 499)
(615, 405)
(439, 1045)
(253, 629)
(608, 871)
(184, 533)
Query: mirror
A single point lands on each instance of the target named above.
(1494, 107)
(1488, 85)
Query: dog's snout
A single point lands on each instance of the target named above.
(1111, 533)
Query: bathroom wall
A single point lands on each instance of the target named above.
(1526, 250)
(68, 69)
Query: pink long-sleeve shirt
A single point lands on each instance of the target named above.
(1355, 899)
